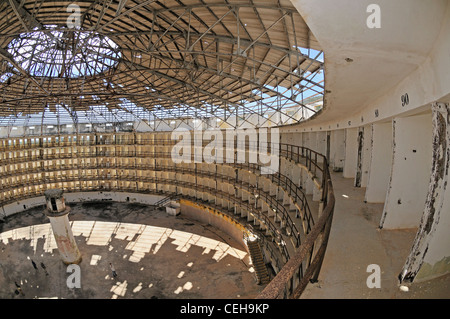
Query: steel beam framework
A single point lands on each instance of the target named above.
(251, 63)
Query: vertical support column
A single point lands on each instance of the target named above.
(380, 163)
(366, 155)
(58, 213)
(430, 254)
(359, 159)
(320, 145)
(337, 150)
(328, 147)
(410, 172)
(351, 152)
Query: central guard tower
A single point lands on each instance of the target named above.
(58, 213)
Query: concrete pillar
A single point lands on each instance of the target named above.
(366, 155)
(58, 213)
(351, 152)
(430, 255)
(359, 155)
(410, 172)
(380, 163)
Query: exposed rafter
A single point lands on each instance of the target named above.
(250, 62)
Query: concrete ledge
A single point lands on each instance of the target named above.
(24, 204)
(199, 212)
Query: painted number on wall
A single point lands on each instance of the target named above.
(405, 99)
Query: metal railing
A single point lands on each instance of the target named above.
(297, 195)
(301, 267)
(304, 266)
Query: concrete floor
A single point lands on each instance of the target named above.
(155, 256)
(356, 242)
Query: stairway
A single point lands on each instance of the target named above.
(164, 202)
(262, 275)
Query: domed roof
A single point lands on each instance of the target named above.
(230, 64)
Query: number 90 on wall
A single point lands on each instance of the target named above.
(405, 99)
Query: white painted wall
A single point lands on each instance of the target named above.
(28, 203)
(22, 205)
(430, 253)
(337, 149)
(410, 52)
(351, 152)
(67, 246)
(380, 163)
(410, 172)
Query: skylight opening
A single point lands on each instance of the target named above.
(4, 77)
(58, 52)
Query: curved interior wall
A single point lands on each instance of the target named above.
(396, 162)
(140, 163)
(196, 211)
(138, 167)
(401, 167)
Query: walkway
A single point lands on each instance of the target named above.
(356, 242)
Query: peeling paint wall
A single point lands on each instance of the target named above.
(427, 81)
(22, 205)
(380, 163)
(430, 255)
(67, 246)
(366, 155)
(359, 157)
(410, 172)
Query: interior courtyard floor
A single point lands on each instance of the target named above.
(356, 242)
(155, 256)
